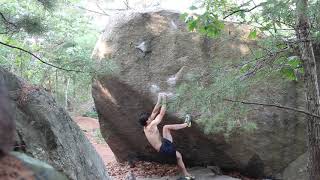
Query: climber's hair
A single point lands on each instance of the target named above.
(143, 118)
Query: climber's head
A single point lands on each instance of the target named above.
(143, 118)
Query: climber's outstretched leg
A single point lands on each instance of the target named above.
(167, 135)
(167, 128)
(182, 166)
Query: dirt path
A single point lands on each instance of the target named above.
(91, 129)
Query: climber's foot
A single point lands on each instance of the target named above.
(188, 120)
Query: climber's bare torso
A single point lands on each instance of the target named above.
(153, 135)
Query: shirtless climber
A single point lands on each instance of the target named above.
(164, 145)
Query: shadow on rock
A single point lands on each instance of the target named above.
(119, 105)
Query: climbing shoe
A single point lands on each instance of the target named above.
(188, 120)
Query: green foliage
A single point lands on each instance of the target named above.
(290, 67)
(217, 115)
(289, 73)
(31, 24)
(245, 68)
(193, 8)
(275, 22)
(63, 36)
(25, 15)
(253, 34)
(208, 23)
(98, 136)
(91, 114)
(48, 4)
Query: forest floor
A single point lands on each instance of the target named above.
(119, 171)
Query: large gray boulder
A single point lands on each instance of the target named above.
(153, 52)
(297, 169)
(7, 126)
(46, 132)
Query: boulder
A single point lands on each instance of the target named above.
(46, 132)
(153, 52)
(7, 126)
(297, 169)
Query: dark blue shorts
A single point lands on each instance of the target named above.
(167, 148)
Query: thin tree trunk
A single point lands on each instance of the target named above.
(50, 84)
(21, 65)
(66, 93)
(311, 88)
(44, 77)
(56, 84)
(74, 93)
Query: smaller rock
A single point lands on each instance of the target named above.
(41, 170)
(130, 176)
(174, 79)
(144, 47)
(154, 88)
(173, 25)
(12, 168)
(215, 169)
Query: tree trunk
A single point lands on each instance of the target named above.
(311, 88)
(74, 88)
(66, 94)
(56, 84)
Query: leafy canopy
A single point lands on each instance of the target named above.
(274, 57)
(58, 33)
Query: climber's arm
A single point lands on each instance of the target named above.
(163, 109)
(156, 108)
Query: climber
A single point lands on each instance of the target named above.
(164, 145)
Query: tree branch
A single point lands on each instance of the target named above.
(105, 14)
(242, 10)
(109, 9)
(97, 4)
(264, 60)
(9, 26)
(44, 62)
(6, 20)
(275, 105)
(126, 3)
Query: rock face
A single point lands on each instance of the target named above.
(154, 52)
(297, 169)
(7, 127)
(46, 132)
